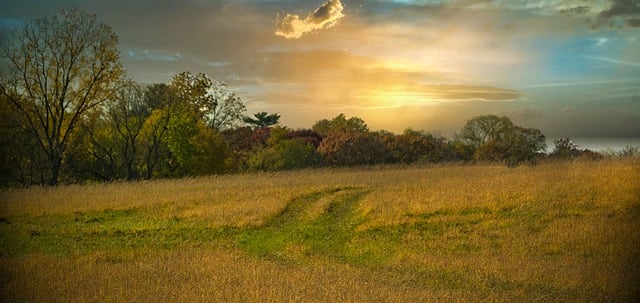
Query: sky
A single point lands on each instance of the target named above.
(570, 68)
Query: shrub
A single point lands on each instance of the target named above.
(285, 154)
(352, 148)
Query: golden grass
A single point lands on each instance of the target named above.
(561, 232)
(197, 275)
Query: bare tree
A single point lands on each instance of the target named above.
(57, 69)
(229, 110)
(128, 114)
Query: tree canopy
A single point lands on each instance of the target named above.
(496, 138)
(212, 101)
(340, 123)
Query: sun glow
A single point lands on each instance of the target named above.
(395, 97)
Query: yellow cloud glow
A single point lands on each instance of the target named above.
(341, 79)
(326, 16)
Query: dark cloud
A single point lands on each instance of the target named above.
(326, 16)
(627, 11)
(621, 8)
(633, 22)
(576, 10)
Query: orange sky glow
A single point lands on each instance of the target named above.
(567, 67)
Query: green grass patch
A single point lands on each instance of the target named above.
(290, 235)
(111, 230)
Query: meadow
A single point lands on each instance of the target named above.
(555, 232)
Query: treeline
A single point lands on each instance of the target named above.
(68, 114)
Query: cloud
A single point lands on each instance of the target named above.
(338, 79)
(447, 93)
(627, 11)
(326, 16)
(153, 55)
(576, 10)
(610, 60)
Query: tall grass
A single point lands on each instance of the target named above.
(552, 232)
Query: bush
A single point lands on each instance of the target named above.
(285, 154)
(352, 148)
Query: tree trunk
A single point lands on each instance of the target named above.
(56, 164)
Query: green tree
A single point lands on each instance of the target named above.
(211, 153)
(57, 69)
(152, 140)
(174, 137)
(194, 148)
(181, 131)
(283, 152)
(525, 145)
(160, 100)
(263, 120)
(488, 129)
(212, 101)
(497, 139)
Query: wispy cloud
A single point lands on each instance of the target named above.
(326, 16)
(153, 55)
(609, 60)
(577, 83)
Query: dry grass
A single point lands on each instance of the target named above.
(561, 232)
(196, 275)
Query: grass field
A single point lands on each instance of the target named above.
(556, 232)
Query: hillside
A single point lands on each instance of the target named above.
(565, 231)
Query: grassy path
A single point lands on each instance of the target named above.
(320, 224)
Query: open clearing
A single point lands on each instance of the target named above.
(556, 232)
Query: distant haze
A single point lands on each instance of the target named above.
(600, 144)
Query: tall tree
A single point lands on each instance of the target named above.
(483, 130)
(160, 99)
(213, 102)
(127, 114)
(57, 69)
(229, 110)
